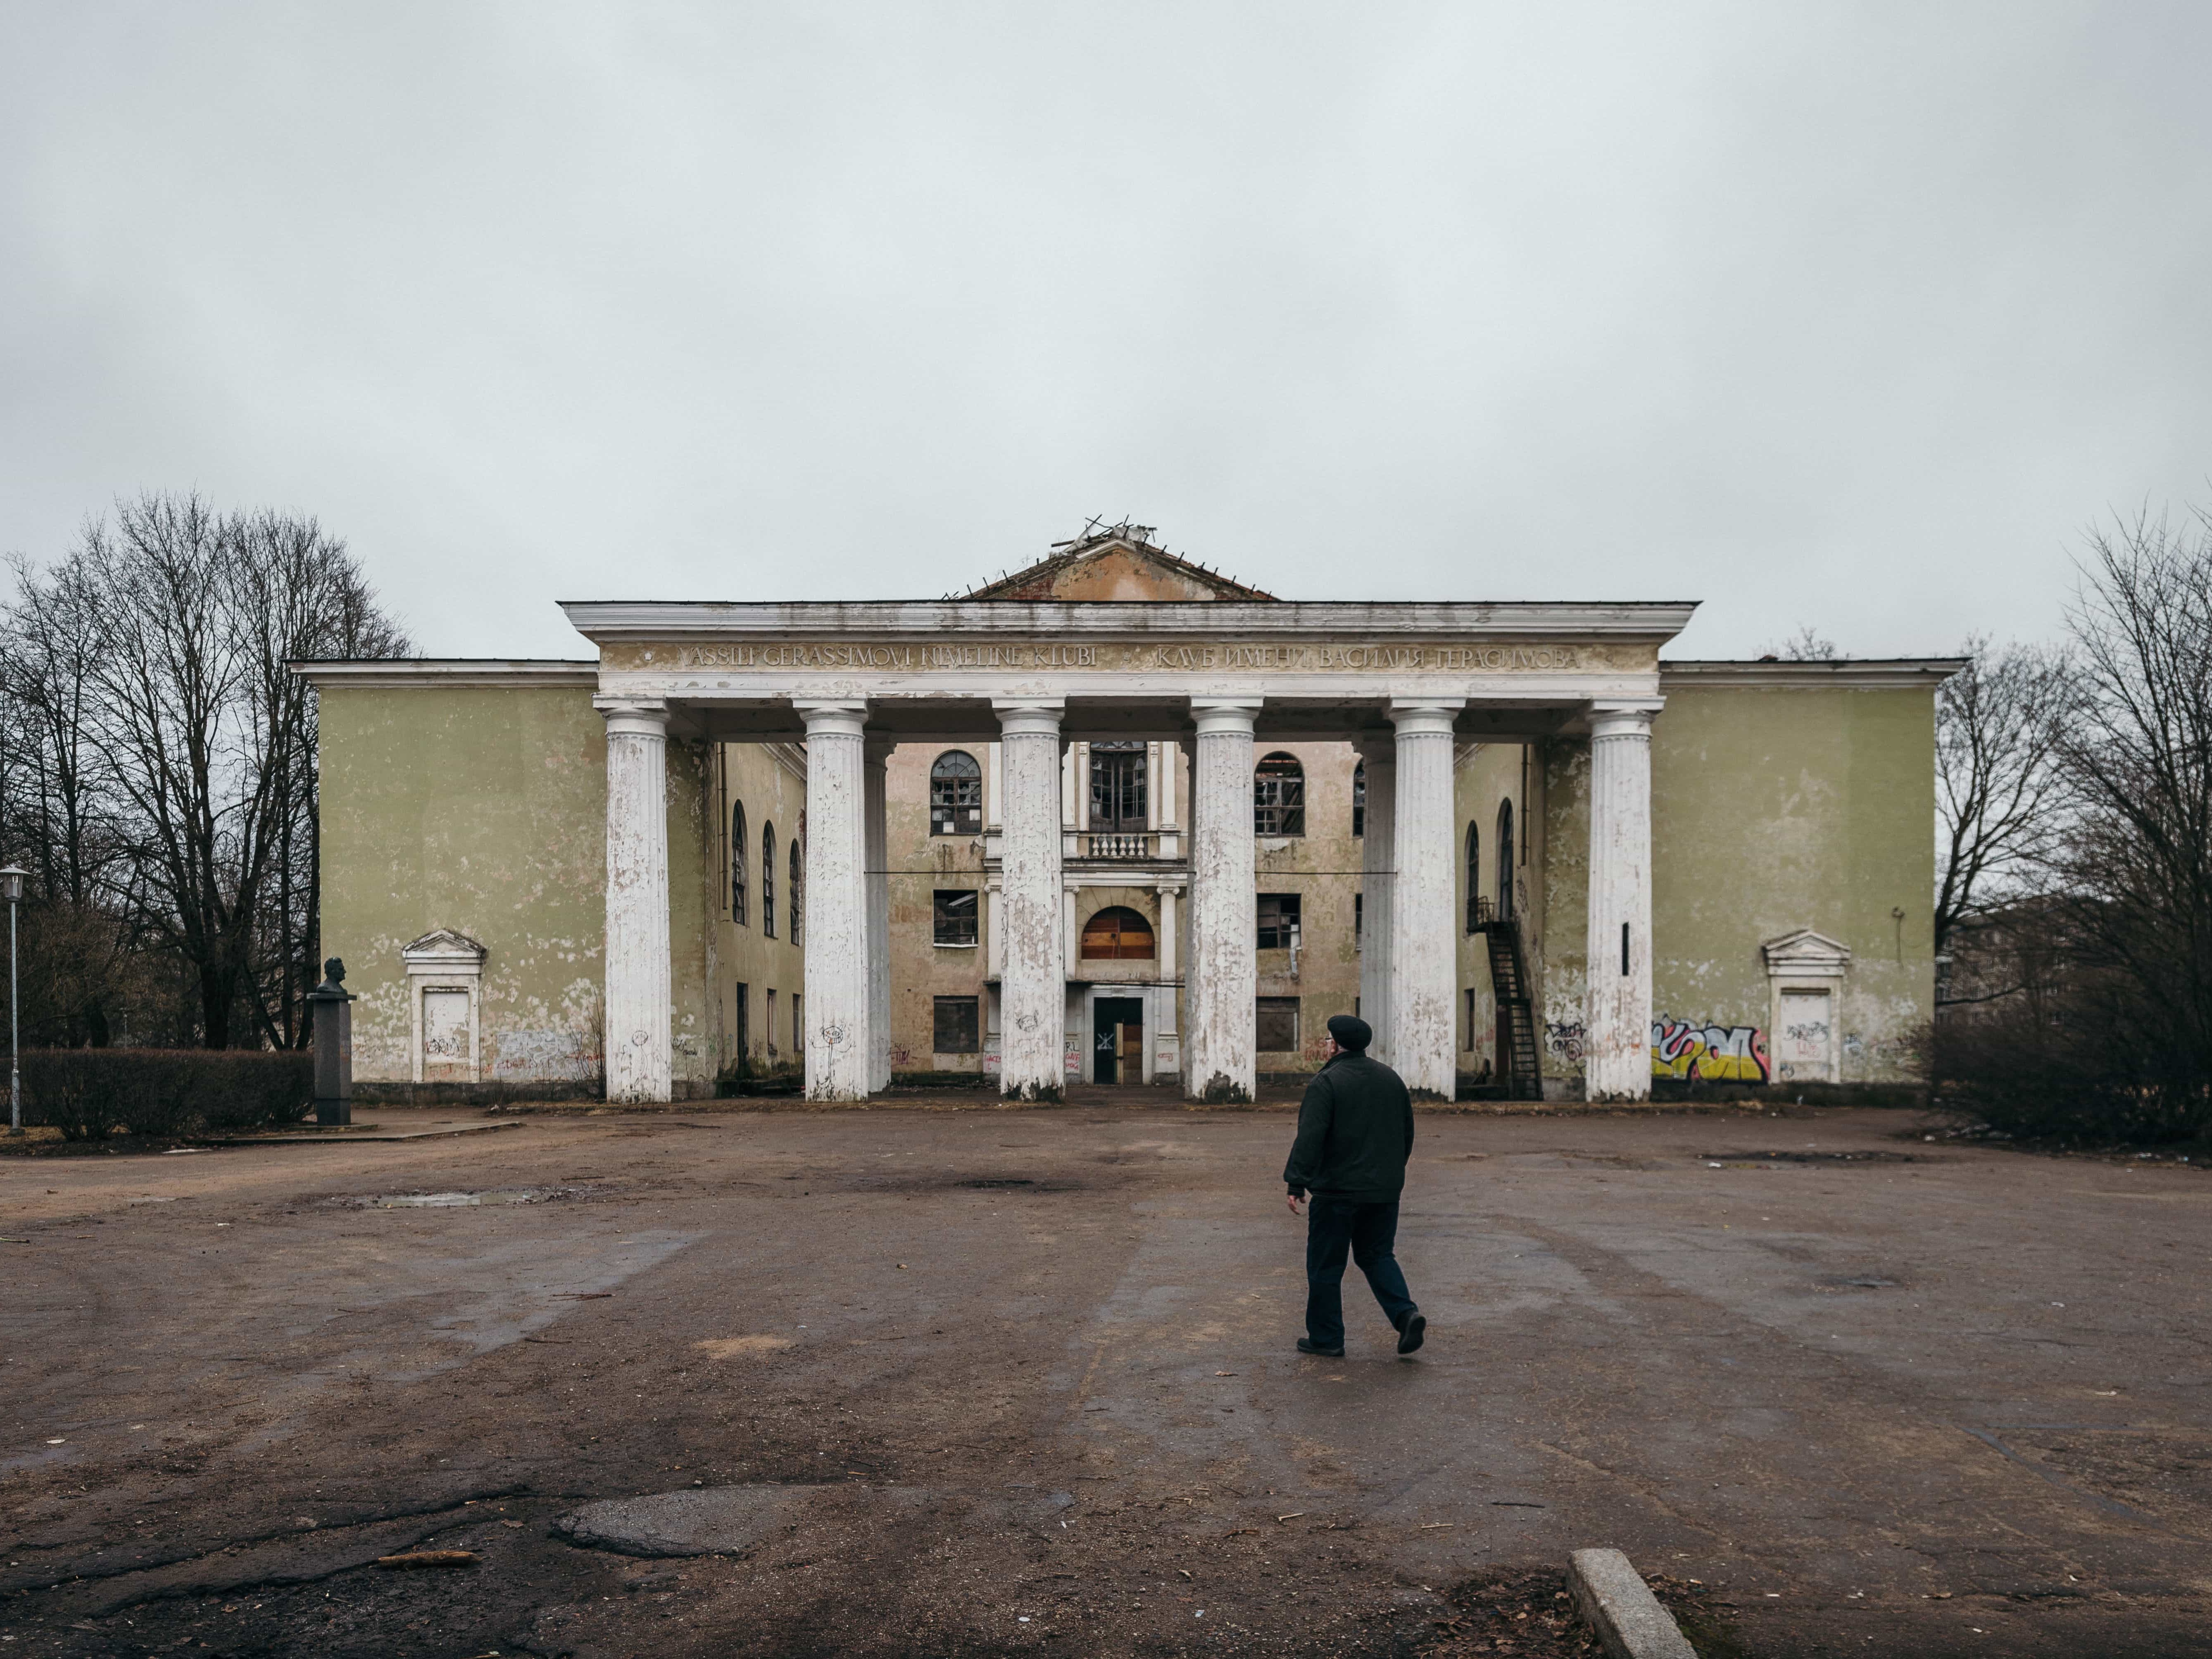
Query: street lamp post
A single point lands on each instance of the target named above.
(11, 888)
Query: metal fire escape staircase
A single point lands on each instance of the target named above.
(1518, 1064)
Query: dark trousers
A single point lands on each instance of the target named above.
(1368, 1232)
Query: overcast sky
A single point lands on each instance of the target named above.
(1847, 315)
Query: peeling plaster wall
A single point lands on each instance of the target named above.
(484, 810)
(1774, 810)
(922, 970)
(1323, 867)
(1559, 954)
(769, 781)
(1488, 774)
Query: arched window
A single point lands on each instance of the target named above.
(767, 881)
(1473, 878)
(741, 853)
(956, 795)
(1118, 934)
(1505, 860)
(1279, 796)
(1360, 798)
(797, 886)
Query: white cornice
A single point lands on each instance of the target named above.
(421, 673)
(603, 621)
(1866, 674)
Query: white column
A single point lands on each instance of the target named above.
(1164, 1042)
(637, 1034)
(877, 754)
(1033, 984)
(1424, 924)
(839, 1047)
(1617, 1018)
(1217, 1054)
(1378, 855)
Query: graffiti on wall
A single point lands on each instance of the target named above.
(1689, 1051)
(1563, 1040)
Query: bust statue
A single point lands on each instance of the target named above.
(333, 983)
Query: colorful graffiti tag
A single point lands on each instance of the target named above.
(1708, 1054)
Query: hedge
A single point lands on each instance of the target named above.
(89, 1094)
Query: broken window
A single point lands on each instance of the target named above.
(958, 1025)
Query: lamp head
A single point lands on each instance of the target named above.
(11, 881)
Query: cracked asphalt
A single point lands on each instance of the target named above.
(1024, 1382)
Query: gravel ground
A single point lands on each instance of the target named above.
(992, 1382)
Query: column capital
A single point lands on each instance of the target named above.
(879, 750)
(1029, 717)
(1376, 748)
(1231, 714)
(833, 717)
(1425, 717)
(1623, 719)
(633, 717)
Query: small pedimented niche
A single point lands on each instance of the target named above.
(445, 987)
(1805, 974)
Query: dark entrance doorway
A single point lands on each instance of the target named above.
(1117, 1043)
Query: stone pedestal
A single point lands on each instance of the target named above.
(332, 1011)
(1218, 1063)
(1033, 984)
(637, 1033)
(840, 1051)
(1617, 1039)
(1424, 945)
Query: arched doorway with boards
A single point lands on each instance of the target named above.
(1115, 934)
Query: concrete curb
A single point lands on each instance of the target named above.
(1622, 1610)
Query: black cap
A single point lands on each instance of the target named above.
(1351, 1031)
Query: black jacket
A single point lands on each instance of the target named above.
(1355, 1132)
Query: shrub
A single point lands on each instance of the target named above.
(89, 1094)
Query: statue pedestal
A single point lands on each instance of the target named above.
(333, 1042)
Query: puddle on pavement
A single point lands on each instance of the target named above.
(463, 1200)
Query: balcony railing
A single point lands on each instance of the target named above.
(1118, 845)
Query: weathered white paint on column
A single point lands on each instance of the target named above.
(840, 1048)
(1033, 983)
(1617, 1018)
(1378, 855)
(1423, 932)
(1217, 1044)
(879, 917)
(637, 1034)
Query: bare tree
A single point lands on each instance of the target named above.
(177, 623)
(1808, 644)
(2000, 779)
(56, 812)
(2138, 864)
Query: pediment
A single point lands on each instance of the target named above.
(1119, 564)
(443, 944)
(1806, 950)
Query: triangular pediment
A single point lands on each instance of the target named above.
(443, 944)
(1115, 564)
(1806, 949)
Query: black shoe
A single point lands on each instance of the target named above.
(1307, 1344)
(1412, 1333)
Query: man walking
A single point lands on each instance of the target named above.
(1355, 1133)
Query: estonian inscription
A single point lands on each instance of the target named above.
(1173, 659)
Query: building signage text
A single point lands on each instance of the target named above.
(1183, 658)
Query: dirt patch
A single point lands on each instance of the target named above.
(740, 1347)
(1532, 1614)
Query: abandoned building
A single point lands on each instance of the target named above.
(1116, 818)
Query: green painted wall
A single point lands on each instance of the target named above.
(484, 811)
(1774, 810)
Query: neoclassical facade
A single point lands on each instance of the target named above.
(1115, 818)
